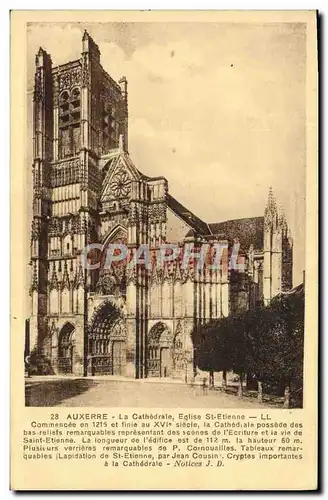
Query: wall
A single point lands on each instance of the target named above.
(176, 228)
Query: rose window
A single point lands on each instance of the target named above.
(120, 185)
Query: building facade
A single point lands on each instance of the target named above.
(128, 320)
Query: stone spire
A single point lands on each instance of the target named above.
(271, 212)
(271, 203)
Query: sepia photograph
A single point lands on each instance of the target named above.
(164, 242)
(165, 214)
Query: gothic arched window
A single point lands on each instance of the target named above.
(69, 123)
(110, 126)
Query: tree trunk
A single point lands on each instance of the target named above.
(211, 380)
(240, 386)
(259, 391)
(224, 381)
(249, 381)
(287, 395)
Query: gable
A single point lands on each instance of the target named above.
(118, 173)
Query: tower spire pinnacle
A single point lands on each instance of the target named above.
(121, 143)
(271, 206)
(282, 218)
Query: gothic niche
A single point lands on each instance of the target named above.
(178, 353)
(112, 275)
(54, 335)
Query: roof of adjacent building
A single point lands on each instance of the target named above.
(249, 231)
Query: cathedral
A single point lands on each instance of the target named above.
(131, 321)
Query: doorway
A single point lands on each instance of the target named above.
(165, 363)
(66, 349)
(118, 357)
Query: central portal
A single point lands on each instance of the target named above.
(107, 342)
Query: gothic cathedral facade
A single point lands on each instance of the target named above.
(125, 321)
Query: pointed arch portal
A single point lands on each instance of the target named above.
(107, 341)
(159, 351)
(66, 348)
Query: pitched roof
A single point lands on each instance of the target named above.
(249, 231)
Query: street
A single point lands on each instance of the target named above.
(84, 392)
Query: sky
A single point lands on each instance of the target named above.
(218, 109)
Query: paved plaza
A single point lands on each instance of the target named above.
(84, 392)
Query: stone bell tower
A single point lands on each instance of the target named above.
(278, 245)
(79, 114)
